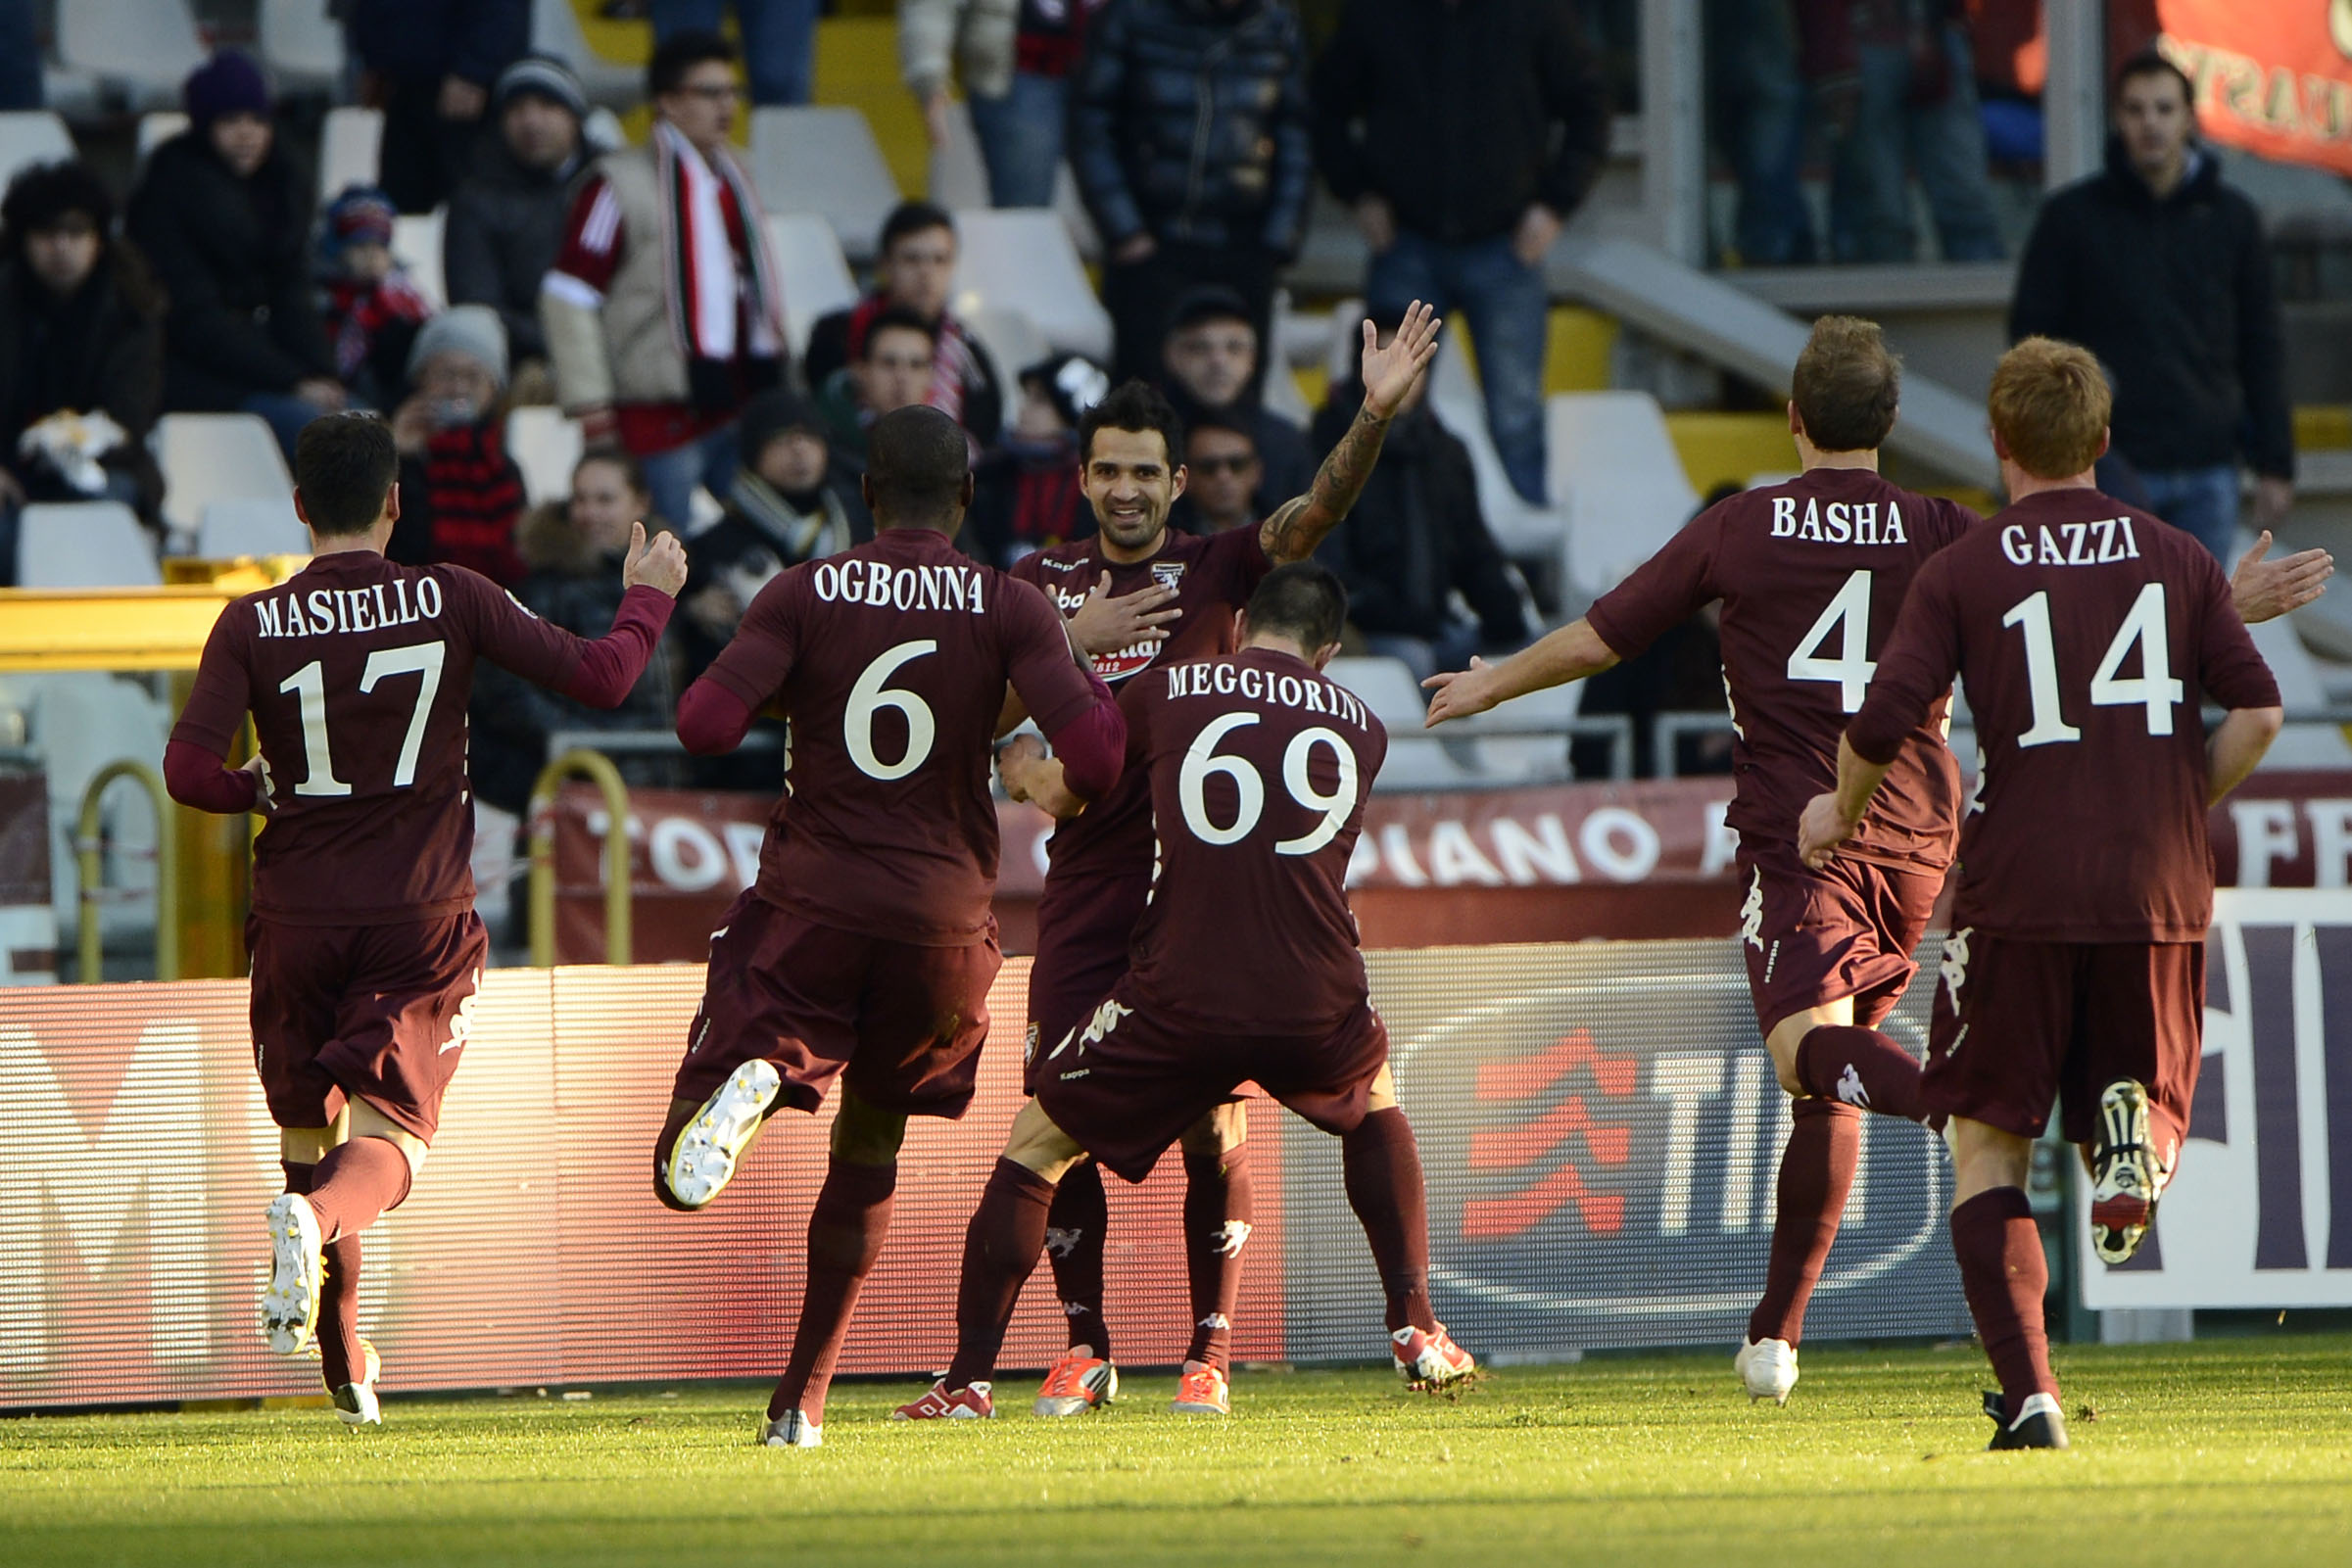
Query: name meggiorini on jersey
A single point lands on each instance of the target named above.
(1309, 695)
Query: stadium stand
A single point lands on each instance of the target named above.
(1617, 481)
(141, 49)
(157, 129)
(250, 525)
(556, 30)
(1011, 338)
(1415, 761)
(1025, 261)
(416, 245)
(1533, 536)
(1526, 758)
(350, 146)
(302, 44)
(545, 444)
(29, 137)
(217, 457)
(826, 161)
(816, 274)
(96, 544)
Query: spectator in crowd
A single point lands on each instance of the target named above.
(1757, 117)
(1026, 495)
(1209, 364)
(1416, 538)
(1222, 476)
(81, 353)
(429, 65)
(1188, 136)
(461, 493)
(795, 499)
(1014, 59)
(779, 40)
(2162, 272)
(895, 371)
(664, 312)
(1897, 79)
(573, 554)
(223, 217)
(1465, 135)
(20, 85)
(373, 308)
(505, 219)
(914, 274)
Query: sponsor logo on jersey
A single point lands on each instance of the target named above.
(1131, 660)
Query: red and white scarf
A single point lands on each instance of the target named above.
(715, 312)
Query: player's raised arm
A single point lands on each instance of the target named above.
(1390, 374)
(1571, 652)
(599, 673)
(195, 772)
(716, 712)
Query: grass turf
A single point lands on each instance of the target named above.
(2227, 1451)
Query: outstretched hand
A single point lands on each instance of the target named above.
(1390, 373)
(2264, 590)
(1460, 693)
(659, 565)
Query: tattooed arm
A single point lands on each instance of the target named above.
(1390, 374)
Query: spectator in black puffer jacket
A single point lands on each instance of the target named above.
(1188, 136)
(506, 217)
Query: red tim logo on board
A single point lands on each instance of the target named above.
(1556, 1121)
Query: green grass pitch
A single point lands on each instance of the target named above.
(2226, 1452)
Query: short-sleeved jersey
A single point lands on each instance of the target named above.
(1258, 768)
(1810, 574)
(2088, 637)
(890, 661)
(357, 673)
(1100, 868)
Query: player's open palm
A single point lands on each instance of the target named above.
(2264, 589)
(1459, 693)
(1821, 829)
(1389, 373)
(659, 562)
(1110, 624)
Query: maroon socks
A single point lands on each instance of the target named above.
(1217, 1222)
(845, 1232)
(1816, 1171)
(1074, 1240)
(1860, 1067)
(2004, 1276)
(354, 1183)
(1382, 1165)
(1000, 1248)
(338, 1295)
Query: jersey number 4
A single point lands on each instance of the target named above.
(2155, 688)
(1848, 616)
(1201, 761)
(308, 686)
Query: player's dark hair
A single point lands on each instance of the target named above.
(903, 319)
(1304, 600)
(917, 463)
(680, 53)
(1134, 405)
(1847, 385)
(344, 466)
(913, 217)
(2153, 62)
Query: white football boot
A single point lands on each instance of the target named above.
(791, 1430)
(703, 1160)
(2127, 1177)
(356, 1403)
(290, 1302)
(1767, 1369)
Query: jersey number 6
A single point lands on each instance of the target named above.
(1201, 760)
(870, 695)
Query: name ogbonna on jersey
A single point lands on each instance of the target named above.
(854, 581)
(2110, 539)
(1840, 522)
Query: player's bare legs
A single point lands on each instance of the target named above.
(845, 1233)
(1381, 1167)
(1217, 1215)
(2004, 1276)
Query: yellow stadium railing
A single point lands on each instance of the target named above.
(86, 847)
(596, 768)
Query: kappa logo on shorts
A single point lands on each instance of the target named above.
(1954, 967)
(1028, 1044)
(1752, 913)
(461, 1023)
(1106, 1018)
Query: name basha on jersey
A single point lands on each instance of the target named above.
(357, 673)
(1258, 768)
(1100, 865)
(1810, 573)
(890, 661)
(2089, 636)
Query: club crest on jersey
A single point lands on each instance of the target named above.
(1169, 574)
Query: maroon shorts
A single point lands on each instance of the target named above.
(1067, 980)
(1129, 1083)
(1812, 938)
(376, 1012)
(2020, 1024)
(904, 1023)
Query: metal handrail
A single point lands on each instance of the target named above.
(596, 768)
(86, 847)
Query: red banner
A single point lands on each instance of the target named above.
(2274, 79)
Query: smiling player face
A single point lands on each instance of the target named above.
(1130, 484)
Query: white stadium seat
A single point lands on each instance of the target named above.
(1014, 341)
(91, 544)
(816, 275)
(157, 129)
(29, 137)
(217, 457)
(1617, 481)
(302, 44)
(1524, 532)
(825, 160)
(1022, 259)
(79, 722)
(556, 30)
(146, 48)
(350, 145)
(958, 176)
(1388, 687)
(545, 444)
(250, 525)
(416, 245)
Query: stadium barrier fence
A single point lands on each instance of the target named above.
(598, 769)
(88, 850)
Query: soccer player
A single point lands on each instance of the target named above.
(865, 949)
(2076, 966)
(367, 951)
(1244, 968)
(1178, 593)
(1810, 574)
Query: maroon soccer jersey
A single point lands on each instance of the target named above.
(891, 660)
(1100, 866)
(2089, 636)
(357, 673)
(1258, 768)
(1810, 573)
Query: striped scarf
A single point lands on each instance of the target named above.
(716, 313)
